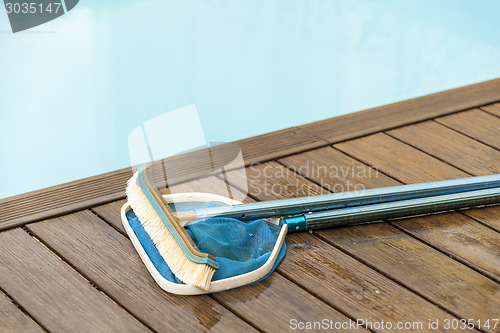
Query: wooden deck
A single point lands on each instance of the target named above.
(67, 265)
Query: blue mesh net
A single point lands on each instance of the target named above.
(239, 247)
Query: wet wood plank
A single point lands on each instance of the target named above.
(12, 319)
(492, 108)
(336, 171)
(109, 259)
(406, 112)
(487, 215)
(274, 303)
(430, 273)
(53, 293)
(475, 123)
(460, 237)
(355, 288)
(456, 149)
(401, 161)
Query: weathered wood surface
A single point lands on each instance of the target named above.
(452, 147)
(108, 259)
(62, 199)
(352, 286)
(398, 159)
(489, 216)
(460, 237)
(430, 273)
(335, 171)
(476, 124)
(273, 304)
(12, 319)
(271, 181)
(111, 213)
(53, 293)
(492, 108)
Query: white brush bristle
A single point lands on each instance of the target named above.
(189, 272)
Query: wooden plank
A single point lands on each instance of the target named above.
(270, 181)
(492, 108)
(399, 160)
(448, 145)
(109, 260)
(475, 123)
(277, 144)
(487, 215)
(111, 213)
(12, 319)
(432, 274)
(385, 117)
(53, 293)
(61, 199)
(460, 237)
(336, 171)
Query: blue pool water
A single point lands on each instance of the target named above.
(74, 88)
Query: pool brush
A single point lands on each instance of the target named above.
(172, 241)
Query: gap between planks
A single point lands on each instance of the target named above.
(83, 276)
(24, 318)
